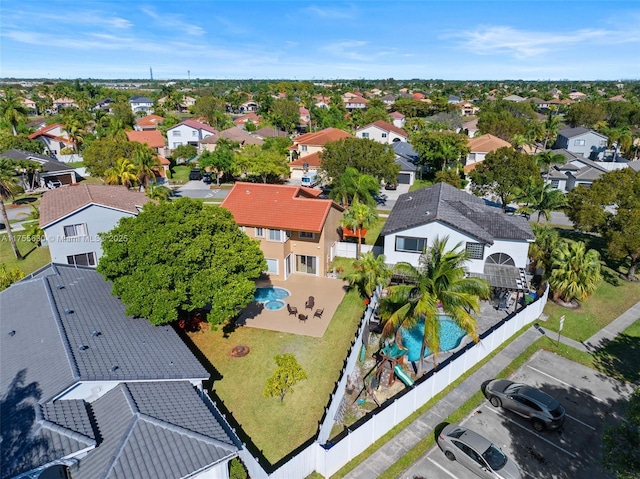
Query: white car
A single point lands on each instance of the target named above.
(476, 453)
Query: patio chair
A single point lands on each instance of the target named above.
(318, 313)
(311, 302)
(292, 310)
(303, 317)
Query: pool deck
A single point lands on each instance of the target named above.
(328, 294)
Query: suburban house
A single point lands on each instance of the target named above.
(408, 160)
(309, 143)
(382, 132)
(60, 103)
(90, 392)
(248, 106)
(141, 103)
(29, 105)
(514, 98)
(104, 105)
(300, 166)
(356, 103)
(53, 173)
(235, 134)
(576, 171)
(268, 132)
(577, 95)
(305, 116)
(54, 137)
(470, 128)
(498, 243)
(468, 108)
(398, 119)
(189, 132)
(72, 217)
(152, 138)
(583, 141)
(295, 228)
(241, 121)
(149, 122)
(479, 147)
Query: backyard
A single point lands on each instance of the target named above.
(278, 428)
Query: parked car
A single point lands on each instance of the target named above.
(542, 410)
(391, 186)
(195, 174)
(511, 211)
(207, 178)
(380, 199)
(476, 453)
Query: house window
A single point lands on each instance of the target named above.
(306, 235)
(365, 134)
(272, 265)
(259, 232)
(579, 143)
(555, 184)
(72, 231)
(384, 135)
(176, 133)
(303, 147)
(84, 259)
(603, 142)
(475, 250)
(411, 245)
(275, 235)
(194, 133)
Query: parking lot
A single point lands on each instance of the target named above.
(591, 401)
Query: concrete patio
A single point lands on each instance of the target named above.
(327, 292)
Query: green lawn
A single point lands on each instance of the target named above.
(621, 357)
(419, 184)
(278, 428)
(180, 174)
(34, 258)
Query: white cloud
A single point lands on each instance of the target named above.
(328, 13)
(347, 50)
(173, 22)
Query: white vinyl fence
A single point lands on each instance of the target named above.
(349, 250)
(327, 459)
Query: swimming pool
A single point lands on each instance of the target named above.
(450, 337)
(272, 297)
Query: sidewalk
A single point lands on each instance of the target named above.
(392, 451)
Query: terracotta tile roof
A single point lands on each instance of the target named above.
(322, 137)
(383, 125)
(396, 115)
(150, 120)
(313, 160)
(45, 130)
(357, 99)
(418, 96)
(241, 120)
(58, 203)
(152, 138)
(278, 207)
(487, 143)
(163, 160)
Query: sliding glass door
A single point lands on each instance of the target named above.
(306, 264)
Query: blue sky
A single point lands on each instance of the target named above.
(452, 40)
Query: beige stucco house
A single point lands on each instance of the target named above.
(295, 228)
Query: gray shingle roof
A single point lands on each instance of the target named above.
(146, 435)
(458, 209)
(48, 165)
(72, 414)
(406, 156)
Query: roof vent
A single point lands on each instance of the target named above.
(95, 333)
(114, 368)
(247, 191)
(83, 347)
(68, 311)
(12, 333)
(59, 286)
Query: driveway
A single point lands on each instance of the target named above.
(200, 190)
(392, 196)
(591, 400)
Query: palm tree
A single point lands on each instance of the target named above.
(355, 186)
(552, 128)
(369, 272)
(547, 240)
(439, 283)
(75, 132)
(123, 173)
(548, 158)
(144, 159)
(7, 183)
(359, 216)
(549, 199)
(158, 192)
(12, 110)
(575, 271)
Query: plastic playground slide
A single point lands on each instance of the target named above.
(402, 375)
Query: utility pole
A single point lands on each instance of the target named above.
(151, 73)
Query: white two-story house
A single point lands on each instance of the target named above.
(71, 218)
(189, 132)
(382, 132)
(141, 103)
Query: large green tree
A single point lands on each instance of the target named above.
(181, 256)
(504, 173)
(369, 272)
(102, 154)
(269, 165)
(439, 149)
(586, 113)
(621, 453)
(438, 286)
(366, 156)
(122, 173)
(284, 114)
(611, 208)
(213, 109)
(288, 373)
(12, 111)
(220, 160)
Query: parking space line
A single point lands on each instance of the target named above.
(568, 385)
(442, 468)
(568, 453)
(583, 423)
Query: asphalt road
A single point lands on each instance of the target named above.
(199, 189)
